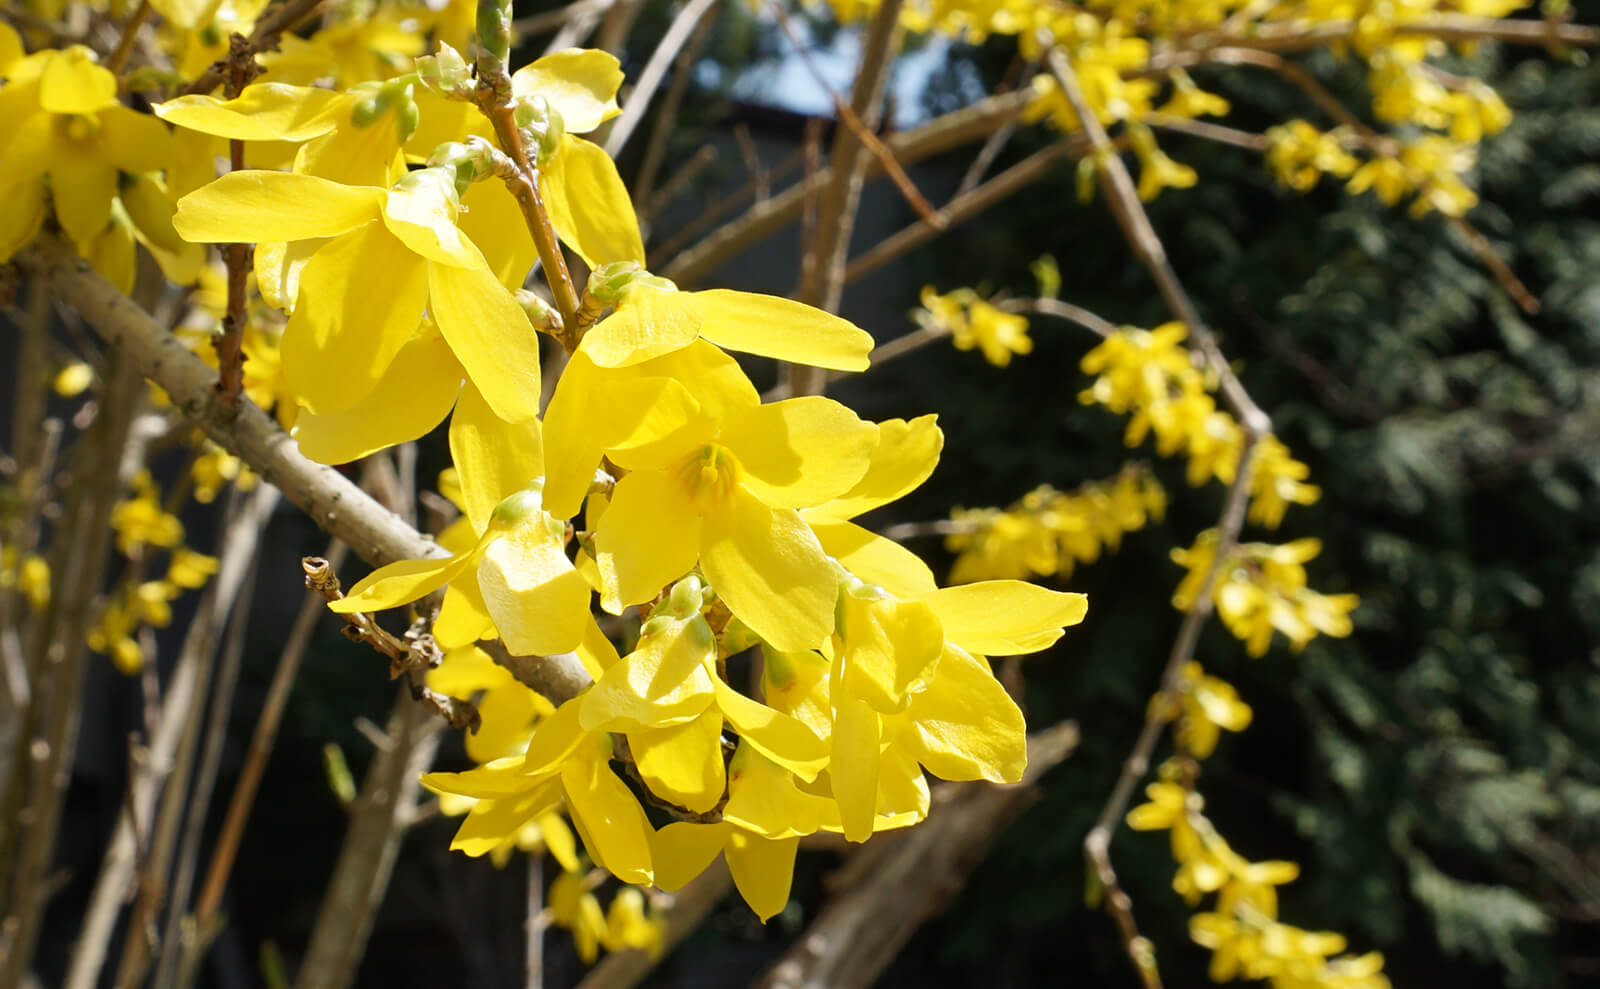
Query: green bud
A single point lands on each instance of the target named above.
(541, 125)
(368, 109)
(684, 599)
(544, 317)
(409, 114)
(494, 29)
(469, 161)
(517, 508)
(445, 73)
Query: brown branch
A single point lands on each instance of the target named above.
(723, 205)
(908, 877)
(185, 690)
(960, 209)
(1451, 28)
(951, 130)
(286, 15)
(666, 119)
(550, 20)
(130, 34)
(1254, 425)
(685, 24)
(229, 343)
(78, 566)
(822, 271)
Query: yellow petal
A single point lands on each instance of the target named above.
(413, 396)
(965, 726)
(463, 617)
(580, 83)
(682, 764)
(595, 410)
(1005, 617)
(608, 818)
(903, 794)
(763, 870)
(854, 766)
(889, 646)
(905, 455)
(23, 216)
(649, 538)
(491, 337)
(493, 458)
(112, 252)
(588, 204)
(422, 212)
(506, 716)
(775, 327)
(487, 782)
(73, 83)
(491, 219)
(662, 682)
(649, 322)
(555, 740)
(714, 379)
(264, 111)
(133, 141)
(492, 823)
(150, 210)
(538, 601)
(278, 269)
(781, 738)
(682, 850)
(361, 300)
(800, 452)
(252, 206)
(770, 569)
(762, 797)
(403, 581)
(873, 558)
(11, 49)
(82, 187)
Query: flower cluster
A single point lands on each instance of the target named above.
(144, 525)
(1241, 927)
(395, 237)
(1119, 51)
(1154, 379)
(1261, 589)
(972, 321)
(1047, 532)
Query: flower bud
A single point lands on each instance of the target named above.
(494, 29)
(445, 73)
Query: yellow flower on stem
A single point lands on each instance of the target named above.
(715, 479)
(391, 254)
(763, 868)
(60, 119)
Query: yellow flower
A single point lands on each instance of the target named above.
(141, 521)
(715, 479)
(60, 119)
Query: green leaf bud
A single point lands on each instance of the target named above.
(494, 29)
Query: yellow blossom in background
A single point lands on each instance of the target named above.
(141, 521)
(973, 322)
(1262, 589)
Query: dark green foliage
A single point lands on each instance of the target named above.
(1438, 773)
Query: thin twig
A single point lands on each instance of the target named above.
(286, 15)
(661, 132)
(185, 687)
(691, 266)
(1094, 323)
(260, 750)
(822, 278)
(229, 344)
(329, 498)
(493, 97)
(701, 160)
(130, 34)
(687, 21)
(962, 208)
(78, 566)
(1254, 425)
(1002, 135)
(551, 20)
(1451, 28)
(533, 924)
